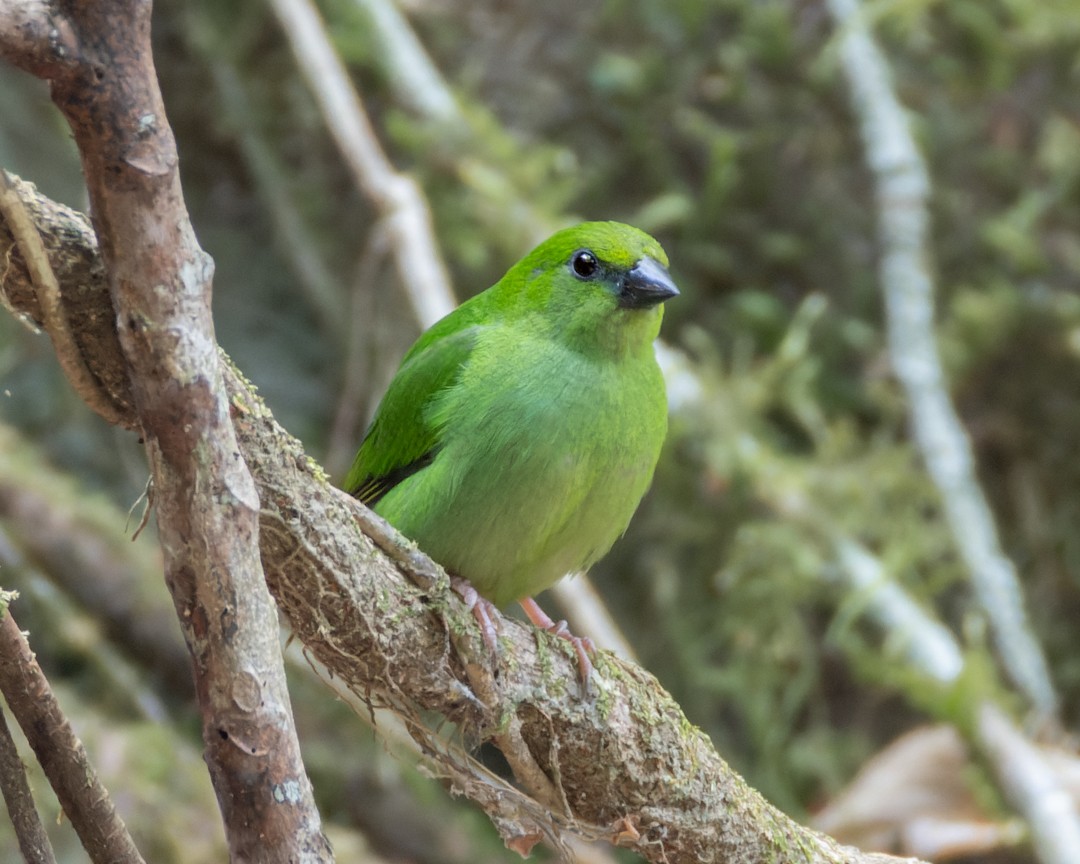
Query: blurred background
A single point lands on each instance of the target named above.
(725, 128)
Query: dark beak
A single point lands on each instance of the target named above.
(646, 284)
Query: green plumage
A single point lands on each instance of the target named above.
(521, 431)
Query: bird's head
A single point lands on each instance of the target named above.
(598, 284)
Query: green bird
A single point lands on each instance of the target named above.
(521, 431)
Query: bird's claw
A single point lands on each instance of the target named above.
(481, 609)
(583, 645)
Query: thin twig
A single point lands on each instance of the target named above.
(62, 756)
(33, 841)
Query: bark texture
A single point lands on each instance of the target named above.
(97, 59)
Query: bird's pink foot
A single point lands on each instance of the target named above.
(583, 645)
(482, 610)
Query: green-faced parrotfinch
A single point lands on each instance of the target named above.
(522, 430)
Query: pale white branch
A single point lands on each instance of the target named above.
(902, 187)
(396, 196)
(1033, 786)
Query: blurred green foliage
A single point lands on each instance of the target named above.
(723, 127)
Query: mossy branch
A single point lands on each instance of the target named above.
(627, 764)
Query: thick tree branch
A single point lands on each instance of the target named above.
(628, 764)
(97, 58)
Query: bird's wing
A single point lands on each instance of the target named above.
(401, 439)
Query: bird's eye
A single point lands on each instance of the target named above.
(585, 264)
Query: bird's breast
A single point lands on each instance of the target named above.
(543, 460)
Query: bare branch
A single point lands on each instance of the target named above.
(62, 756)
(413, 75)
(33, 841)
(1032, 786)
(1038, 793)
(32, 39)
(396, 196)
(925, 643)
(902, 187)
